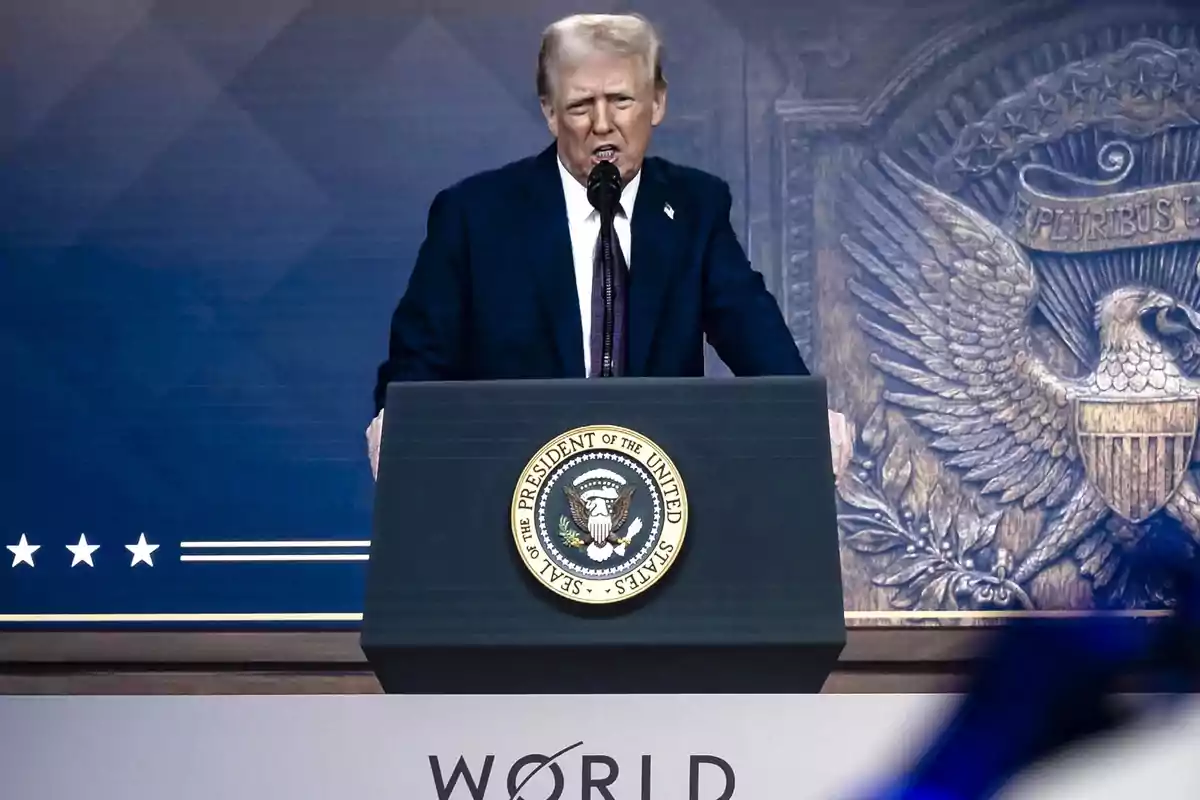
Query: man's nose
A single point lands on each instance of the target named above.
(601, 118)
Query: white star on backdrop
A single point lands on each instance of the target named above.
(23, 551)
(141, 551)
(82, 551)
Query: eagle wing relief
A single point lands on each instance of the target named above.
(962, 296)
(1186, 351)
(620, 511)
(579, 509)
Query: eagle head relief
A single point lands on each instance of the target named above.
(1141, 330)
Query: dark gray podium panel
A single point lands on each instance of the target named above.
(752, 604)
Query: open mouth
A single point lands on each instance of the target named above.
(606, 152)
(1176, 321)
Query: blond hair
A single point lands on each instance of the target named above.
(574, 37)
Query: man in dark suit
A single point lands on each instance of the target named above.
(506, 283)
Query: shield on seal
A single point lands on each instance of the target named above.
(1136, 451)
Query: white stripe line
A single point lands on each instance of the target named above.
(349, 617)
(292, 617)
(1080, 614)
(280, 557)
(267, 544)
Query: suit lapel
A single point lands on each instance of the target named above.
(549, 248)
(656, 237)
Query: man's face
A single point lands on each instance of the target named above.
(604, 109)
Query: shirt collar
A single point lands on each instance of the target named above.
(579, 208)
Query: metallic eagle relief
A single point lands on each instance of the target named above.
(599, 516)
(1031, 310)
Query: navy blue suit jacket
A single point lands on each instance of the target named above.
(493, 294)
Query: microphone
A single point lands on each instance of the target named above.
(604, 189)
(604, 193)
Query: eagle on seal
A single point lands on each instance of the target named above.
(600, 518)
(962, 295)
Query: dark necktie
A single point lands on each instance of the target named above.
(606, 340)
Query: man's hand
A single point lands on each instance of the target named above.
(374, 434)
(841, 440)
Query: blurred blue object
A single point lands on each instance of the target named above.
(1048, 684)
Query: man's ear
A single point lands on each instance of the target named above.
(659, 109)
(551, 117)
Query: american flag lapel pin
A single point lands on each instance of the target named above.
(670, 212)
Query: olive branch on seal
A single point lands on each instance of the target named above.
(935, 553)
(568, 533)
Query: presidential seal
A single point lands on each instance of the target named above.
(599, 514)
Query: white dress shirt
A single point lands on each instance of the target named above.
(584, 222)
